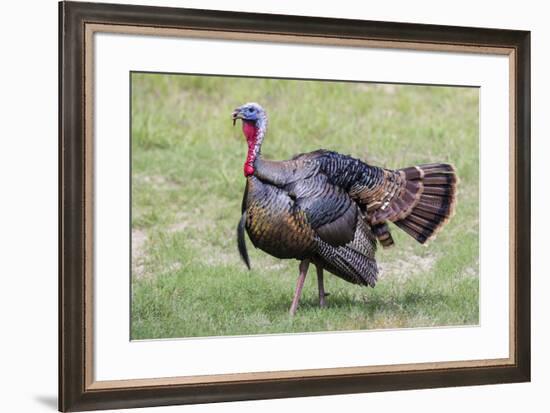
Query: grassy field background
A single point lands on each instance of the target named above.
(187, 184)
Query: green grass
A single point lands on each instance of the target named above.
(187, 183)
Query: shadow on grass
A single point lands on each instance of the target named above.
(408, 302)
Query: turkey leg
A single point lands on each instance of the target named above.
(299, 285)
(321, 285)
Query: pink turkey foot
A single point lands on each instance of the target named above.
(299, 285)
(321, 285)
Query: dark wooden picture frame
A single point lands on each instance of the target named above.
(77, 389)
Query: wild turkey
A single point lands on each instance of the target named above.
(330, 209)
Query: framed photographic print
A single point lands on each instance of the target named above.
(264, 206)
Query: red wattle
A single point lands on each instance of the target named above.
(248, 170)
(250, 132)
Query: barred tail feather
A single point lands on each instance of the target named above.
(436, 200)
(382, 233)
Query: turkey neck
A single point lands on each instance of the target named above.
(254, 133)
(255, 165)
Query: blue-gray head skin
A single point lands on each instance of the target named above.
(254, 121)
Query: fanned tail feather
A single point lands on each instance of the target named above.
(435, 200)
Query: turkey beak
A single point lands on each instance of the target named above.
(236, 115)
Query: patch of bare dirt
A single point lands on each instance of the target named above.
(179, 226)
(403, 268)
(470, 272)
